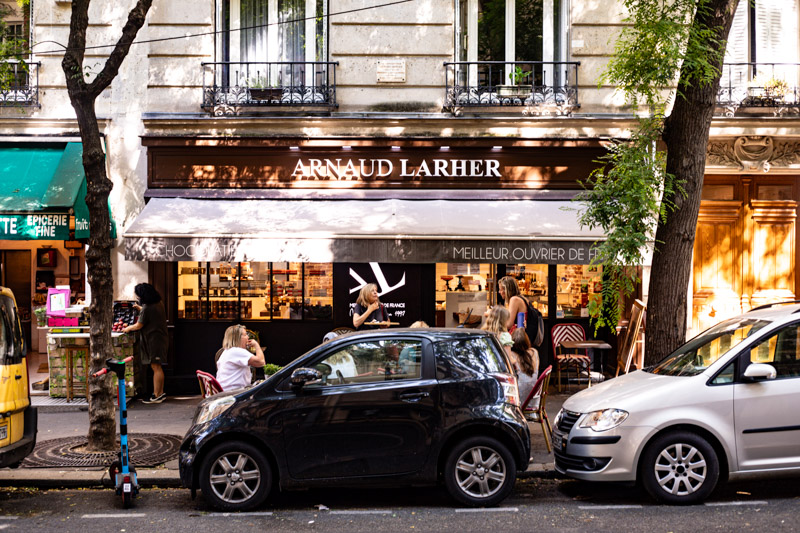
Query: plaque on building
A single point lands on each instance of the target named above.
(391, 71)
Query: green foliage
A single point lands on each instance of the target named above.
(665, 46)
(12, 50)
(624, 198)
(518, 75)
(270, 369)
(663, 38)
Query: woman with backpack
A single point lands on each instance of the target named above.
(515, 303)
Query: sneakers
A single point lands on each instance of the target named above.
(155, 399)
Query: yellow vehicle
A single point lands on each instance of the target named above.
(18, 418)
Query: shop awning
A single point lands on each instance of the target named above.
(387, 230)
(40, 186)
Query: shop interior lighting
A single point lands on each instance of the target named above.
(444, 148)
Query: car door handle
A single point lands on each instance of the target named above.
(414, 396)
(18, 376)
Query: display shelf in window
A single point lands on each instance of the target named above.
(532, 281)
(191, 290)
(577, 286)
(318, 291)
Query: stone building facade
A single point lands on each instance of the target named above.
(223, 99)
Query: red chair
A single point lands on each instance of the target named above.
(580, 362)
(209, 385)
(534, 411)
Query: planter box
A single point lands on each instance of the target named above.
(517, 91)
(266, 94)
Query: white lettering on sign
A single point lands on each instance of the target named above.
(523, 254)
(9, 225)
(347, 169)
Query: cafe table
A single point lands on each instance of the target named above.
(590, 346)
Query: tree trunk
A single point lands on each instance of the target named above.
(102, 425)
(686, 134)
(82, 95)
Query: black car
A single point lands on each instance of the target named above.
(381, 408)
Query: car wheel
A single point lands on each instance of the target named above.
(480, 471)
(235, 476)
(680, 468)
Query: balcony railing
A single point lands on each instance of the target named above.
(538, 87)
(21, 84)
(757, 88)
(229, 87)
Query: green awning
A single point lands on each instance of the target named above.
(39, 186)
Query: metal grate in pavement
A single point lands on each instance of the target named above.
(146, 449)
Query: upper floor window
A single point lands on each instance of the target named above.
(765, 34)
(291, 32)
(513, 31)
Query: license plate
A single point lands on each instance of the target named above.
(126, 487)
(4, 432)
(559, 443)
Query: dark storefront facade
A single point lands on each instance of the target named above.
(280, 234)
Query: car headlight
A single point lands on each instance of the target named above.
(214, 408)
(558, 417)
(604, 420)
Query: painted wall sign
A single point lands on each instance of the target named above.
(35, 226)
(351, 250)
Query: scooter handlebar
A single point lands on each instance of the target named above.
(105, 370)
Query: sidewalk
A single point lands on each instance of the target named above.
(174, 417)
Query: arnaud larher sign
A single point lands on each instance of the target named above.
(358, 169)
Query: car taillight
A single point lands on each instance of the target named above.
(510, 389)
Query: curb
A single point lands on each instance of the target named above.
(53, 478)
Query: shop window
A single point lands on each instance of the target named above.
(463, 292)
(577, 285)
(255, 291)
(532, 282)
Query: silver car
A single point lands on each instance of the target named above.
(727, 403)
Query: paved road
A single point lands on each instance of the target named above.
(537, 504)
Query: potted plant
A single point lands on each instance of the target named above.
(41, 316)
(258, 89)
(769, 90)
(270, 369)
(517, 88)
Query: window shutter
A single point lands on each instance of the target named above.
(737, 48)
(777, 36)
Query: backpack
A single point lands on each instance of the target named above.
(534, 326)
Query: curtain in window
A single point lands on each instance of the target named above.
(291, 40)
(254, 40)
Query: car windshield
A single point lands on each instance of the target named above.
(699, 353)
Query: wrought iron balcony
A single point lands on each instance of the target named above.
(230, 87)
(23, 84)
(538, 87)
(758, 88)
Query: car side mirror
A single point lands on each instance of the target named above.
(305, 376)
(760, 371)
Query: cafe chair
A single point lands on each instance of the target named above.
(209, 385)
(569, 361)
(533, 406)
(341, 330)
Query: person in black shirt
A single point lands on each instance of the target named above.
(152, 325)
(368, 308)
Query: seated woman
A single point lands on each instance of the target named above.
(527, 365)
(233, 366)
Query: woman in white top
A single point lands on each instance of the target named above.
(233, 366)
(496, 320)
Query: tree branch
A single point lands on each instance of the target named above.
(72, 64)
(136, 19)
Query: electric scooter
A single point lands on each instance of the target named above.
(121, 472)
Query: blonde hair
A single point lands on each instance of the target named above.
(509, 284)
(497, 320)
(366, 292)
(233, 336)
(419, 324)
